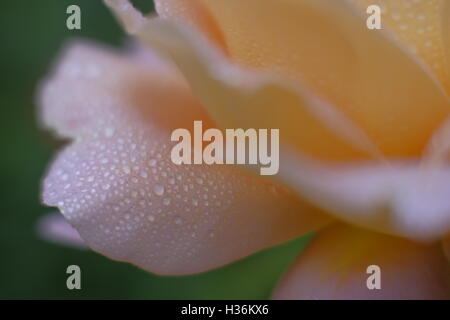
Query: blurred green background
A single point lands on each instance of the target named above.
(31, 34)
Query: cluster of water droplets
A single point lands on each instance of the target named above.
(116, 183)
(418, 24)
(123, 185)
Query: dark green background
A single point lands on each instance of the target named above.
(31, 34)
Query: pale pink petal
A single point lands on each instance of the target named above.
(118, 187)
(53, 227)
(132, 18)
(402, 198)
(334, 266)
(69, 100)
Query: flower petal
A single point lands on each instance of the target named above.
(69, 101)
(403, 198)
(240, 98)
(368, 75)
(421, 26)
(118, 187)
(132, 19)
(446, 28)
(193, 13)
(53, 227)
(334, 266)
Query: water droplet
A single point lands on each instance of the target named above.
(152, 162)
(274, 190)
(166, 201)
(126, 169)
(158, 189)
(178, 220)
(109, 132)
(144, 174)
(151, 218)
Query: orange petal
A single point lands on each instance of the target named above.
(193, 13)
(236, 97)
(334, 266)
(372, 78)
(423, 26)
(400, 198)
(446, 28)
(118, 187)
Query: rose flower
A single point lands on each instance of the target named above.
(364, 141)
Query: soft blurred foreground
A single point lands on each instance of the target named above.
(31, 34)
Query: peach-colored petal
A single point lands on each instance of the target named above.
(334, 266)
(118, 187)
(237, 97)
(132, 18)
(402, 198)
(422, 26)
(446, 28)
(193, 13)
(53, 227)
(436, 153)
(368, 75)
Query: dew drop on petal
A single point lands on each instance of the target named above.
(152, 162)
(126, 169)
(144, 174)
(178, 220)
(109, 132)
(158, 189)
